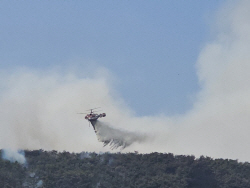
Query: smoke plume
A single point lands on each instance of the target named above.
(14, 156)
(38, 108)
(116, 138)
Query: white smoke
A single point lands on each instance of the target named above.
(116, 138)
(38, 108)
(84, 155)
(14, 155)
(39, 183)
(218, 125)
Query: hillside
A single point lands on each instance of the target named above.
(155, 170)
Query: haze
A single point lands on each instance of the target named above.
(38, 105)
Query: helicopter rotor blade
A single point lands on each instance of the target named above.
(96, 111)
(93, 109)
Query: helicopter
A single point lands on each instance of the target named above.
(93, 116)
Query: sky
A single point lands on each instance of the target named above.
(149, 47)
(174, 71)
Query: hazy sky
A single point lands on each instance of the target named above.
(176, 72)
(150, 47)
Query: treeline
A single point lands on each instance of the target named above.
(52, 169)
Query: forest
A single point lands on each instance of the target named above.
(52, 169)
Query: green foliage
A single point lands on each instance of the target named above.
(154, 170)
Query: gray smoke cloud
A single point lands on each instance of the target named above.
(14, 156)
(117, 138)
(38, 108)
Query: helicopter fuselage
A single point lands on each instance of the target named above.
(92, 118)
